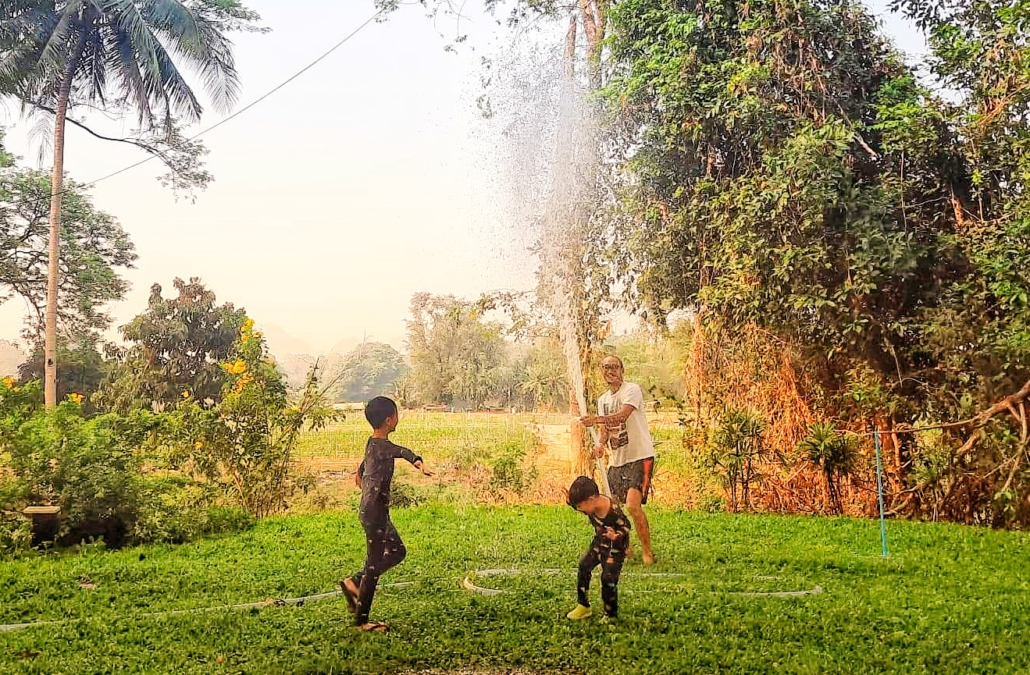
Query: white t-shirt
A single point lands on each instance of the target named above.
(631, 440)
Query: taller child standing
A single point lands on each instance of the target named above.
(375, 476)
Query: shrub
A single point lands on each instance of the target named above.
(15, 532)
(176, 509)
(508, 472)
(104, 473)
(735, 447)
(403, 495)
(834, 453)
(245, 442)
(83, 466)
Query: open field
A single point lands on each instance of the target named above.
(474, 455)
(950, 600)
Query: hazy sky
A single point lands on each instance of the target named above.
(368, 179)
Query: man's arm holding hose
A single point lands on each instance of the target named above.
(601, 439)
(613, 420)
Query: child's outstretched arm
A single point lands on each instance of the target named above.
(412, 458)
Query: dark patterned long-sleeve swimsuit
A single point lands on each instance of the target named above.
(376, 473)
(383, 544)
(617, 521)
(610, 554)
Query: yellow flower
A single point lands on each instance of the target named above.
(248, 326)
(242, 382)
(237, 367)
(8, 382)
(185, 395)
(198, 445)
(77, 399)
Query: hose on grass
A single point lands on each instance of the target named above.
(466, 583)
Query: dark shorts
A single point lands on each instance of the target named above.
(633, 475)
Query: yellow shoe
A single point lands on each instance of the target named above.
(580, 613)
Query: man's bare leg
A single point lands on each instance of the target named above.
(636, 512)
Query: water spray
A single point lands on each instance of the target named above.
(570, 344)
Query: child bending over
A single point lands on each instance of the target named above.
(608, 549)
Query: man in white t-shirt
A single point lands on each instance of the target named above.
(624, 430)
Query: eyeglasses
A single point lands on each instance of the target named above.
(611, 367)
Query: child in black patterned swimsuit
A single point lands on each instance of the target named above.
(608, 549)
(375, 476)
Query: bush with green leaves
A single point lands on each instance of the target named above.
(106, 473)
(87, 467)
(509, 473)
(245, 442)
(176, 509)
(735, 448)
(836, 455)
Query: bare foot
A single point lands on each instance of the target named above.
(350, 593)
(373, 627)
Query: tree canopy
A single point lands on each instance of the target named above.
(176, 348)
(454, 353)
(136, 57)
(371, 369)
(95, 254)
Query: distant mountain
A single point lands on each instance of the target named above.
(11, 356)
(295, 368)
(281, 343)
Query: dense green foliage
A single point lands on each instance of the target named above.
(95, 250)
(245, 442)
(782, 168)
(949, 600)
(83, 367)
(137, 475)
(370, 369)
(177, 345)
(100, 472)
(456, 357)
(768, 162)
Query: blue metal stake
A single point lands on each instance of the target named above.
(879, 490)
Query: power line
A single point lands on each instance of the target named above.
(236, 114)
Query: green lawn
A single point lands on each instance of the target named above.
(950, 599)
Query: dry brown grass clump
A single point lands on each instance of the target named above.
(754, 370)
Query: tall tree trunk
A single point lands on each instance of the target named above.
(56, 191)
(593, 16)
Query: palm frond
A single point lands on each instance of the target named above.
(42, 133)
(163, 85)
(200, 43)
(123, 64)
(93, 81)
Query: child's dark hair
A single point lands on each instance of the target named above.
(583, 488)
(378, 409)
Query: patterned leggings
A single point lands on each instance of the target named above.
(385, 550)
(611, 567)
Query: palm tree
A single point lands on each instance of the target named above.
(122, 55)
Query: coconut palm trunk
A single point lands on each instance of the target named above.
(54, 252)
